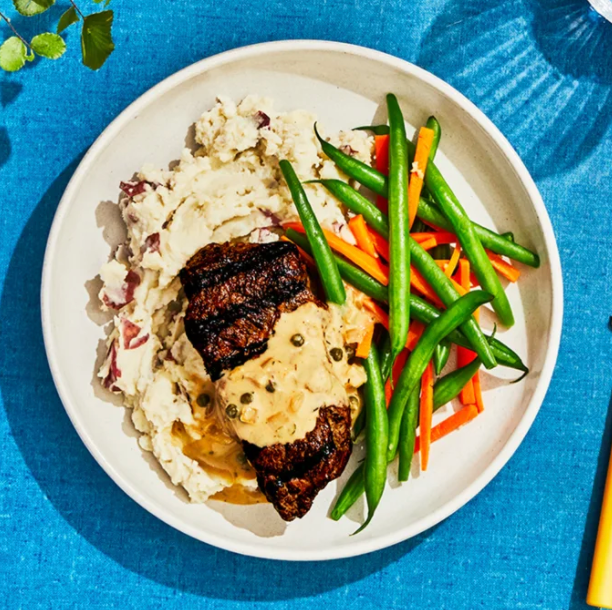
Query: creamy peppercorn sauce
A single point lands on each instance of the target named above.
(276, 397)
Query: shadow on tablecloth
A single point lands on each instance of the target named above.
(87, 498)
(539, 69)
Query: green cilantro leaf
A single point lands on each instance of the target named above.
(28, 8)
(48, 45)
(67, 19)
(96, 39)
(12, 54)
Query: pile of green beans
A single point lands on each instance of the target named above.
(392, 432)
(326, 262)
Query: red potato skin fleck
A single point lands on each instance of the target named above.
(152, 242)
(114, 372)
(131, 282)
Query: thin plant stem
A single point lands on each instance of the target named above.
(25, 42)
(76, 8)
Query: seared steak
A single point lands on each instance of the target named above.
(292, 475)
(236, 294)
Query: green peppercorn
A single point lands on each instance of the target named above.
(297, 340)
(203, 400)
(231, 411)
(246, 398)
(270, 387)
(336, 353)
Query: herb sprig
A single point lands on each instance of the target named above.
(96, 36)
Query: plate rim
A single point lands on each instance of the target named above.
(516, 438)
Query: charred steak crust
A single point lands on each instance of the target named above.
(236, 294)
(292, 475)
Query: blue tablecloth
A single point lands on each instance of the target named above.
(69, 538)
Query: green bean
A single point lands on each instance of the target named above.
(353, 490)
(448, 294)
(358, 170)
(399, 259)
(377, 182)
(410, 421)
(357, 203)
(377, 435)
(377, 130)
(326, 263)
(386, 357)
(449, 320)
(448, 387)
(470, 243)
(418, 226)
(421, 310)
(509, 235)
(441, 355)
(489, 239)
(432, 123)
(441, 253)
(359, 425)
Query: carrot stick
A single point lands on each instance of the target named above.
(363, 349)
(415, 331)
(381, 245)
(428, 244)
(417, 173)
(452, 264)
(381, 146)
(398, 367)
(417, 281)
(478, 392)
(464, 355)
(360, 231)
(450, 424)
(426, 411)
(380, 315)
(441, 237)
(507, 270)
(309, 260)
(476, 378)
(368, 263)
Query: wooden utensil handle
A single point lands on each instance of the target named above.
(600, 588)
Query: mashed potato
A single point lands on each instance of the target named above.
(231, 187)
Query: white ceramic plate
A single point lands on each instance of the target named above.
(345, 85)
